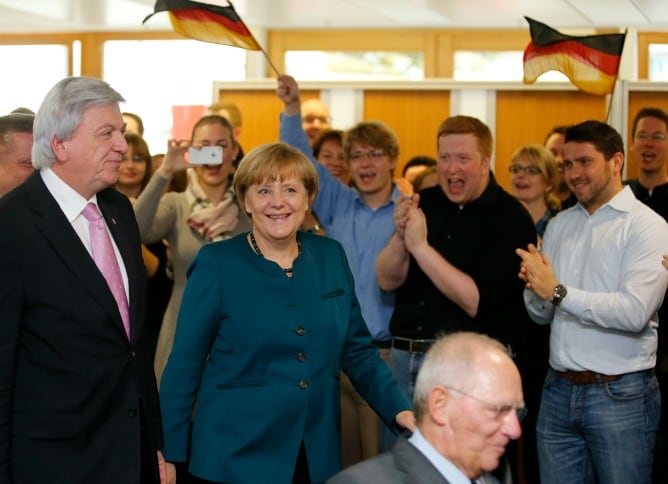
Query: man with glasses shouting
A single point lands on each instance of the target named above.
(468, 406)
(650, 148)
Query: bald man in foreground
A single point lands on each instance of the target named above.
(468, 404)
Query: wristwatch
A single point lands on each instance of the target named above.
(558, 294)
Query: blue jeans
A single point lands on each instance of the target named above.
(602, 432)
(404, 366)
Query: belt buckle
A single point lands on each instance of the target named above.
(419, 346)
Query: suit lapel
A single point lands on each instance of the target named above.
(418, 468)
(65, 242)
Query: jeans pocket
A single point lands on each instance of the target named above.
(629, 387)
(549, 378)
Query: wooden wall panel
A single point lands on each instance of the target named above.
(413, 115)
(260, 111)
(524, 117)
(637, 101)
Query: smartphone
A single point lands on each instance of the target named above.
(208, 155)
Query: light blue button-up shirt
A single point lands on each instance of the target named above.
(362, 231)
(446, 468)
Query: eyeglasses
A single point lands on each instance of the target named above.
(500, 412)
(371, 155)
(643, 136)
(529, 170)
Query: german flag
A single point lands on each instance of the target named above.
(591, 62)
(208, 23)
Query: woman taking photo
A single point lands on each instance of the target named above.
(207, 210)
(268, 320)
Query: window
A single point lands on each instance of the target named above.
(24, 84)
(495, 66)
(658, 62)
(318, 65)
(154, 75)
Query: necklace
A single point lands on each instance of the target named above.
(257, 250)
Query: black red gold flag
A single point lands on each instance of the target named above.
(590, 62)
(208, 23)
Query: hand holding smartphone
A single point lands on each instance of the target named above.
(207, 155)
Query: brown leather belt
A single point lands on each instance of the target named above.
(586, 377)
(412, 345)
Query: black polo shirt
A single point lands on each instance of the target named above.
(657, 200)
(479, 239)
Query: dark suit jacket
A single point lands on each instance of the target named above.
(404, 464)
(72, 387)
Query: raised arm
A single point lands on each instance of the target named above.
(288, 92)
(393, 261)
(291, 130)
(392, 264)
(332, 192)
(456, 285)
(156, 219)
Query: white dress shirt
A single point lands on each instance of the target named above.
(71, 203)
(610, 263)
(446, 468)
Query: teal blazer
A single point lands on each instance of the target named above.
(261, 353)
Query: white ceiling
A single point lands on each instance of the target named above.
(75, 15)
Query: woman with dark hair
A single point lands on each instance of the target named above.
(328, 150)
(135, 170)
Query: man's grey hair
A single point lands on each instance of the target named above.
(451, 362)
(62, 111)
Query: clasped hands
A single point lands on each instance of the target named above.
(536, 272)
(410, 223)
